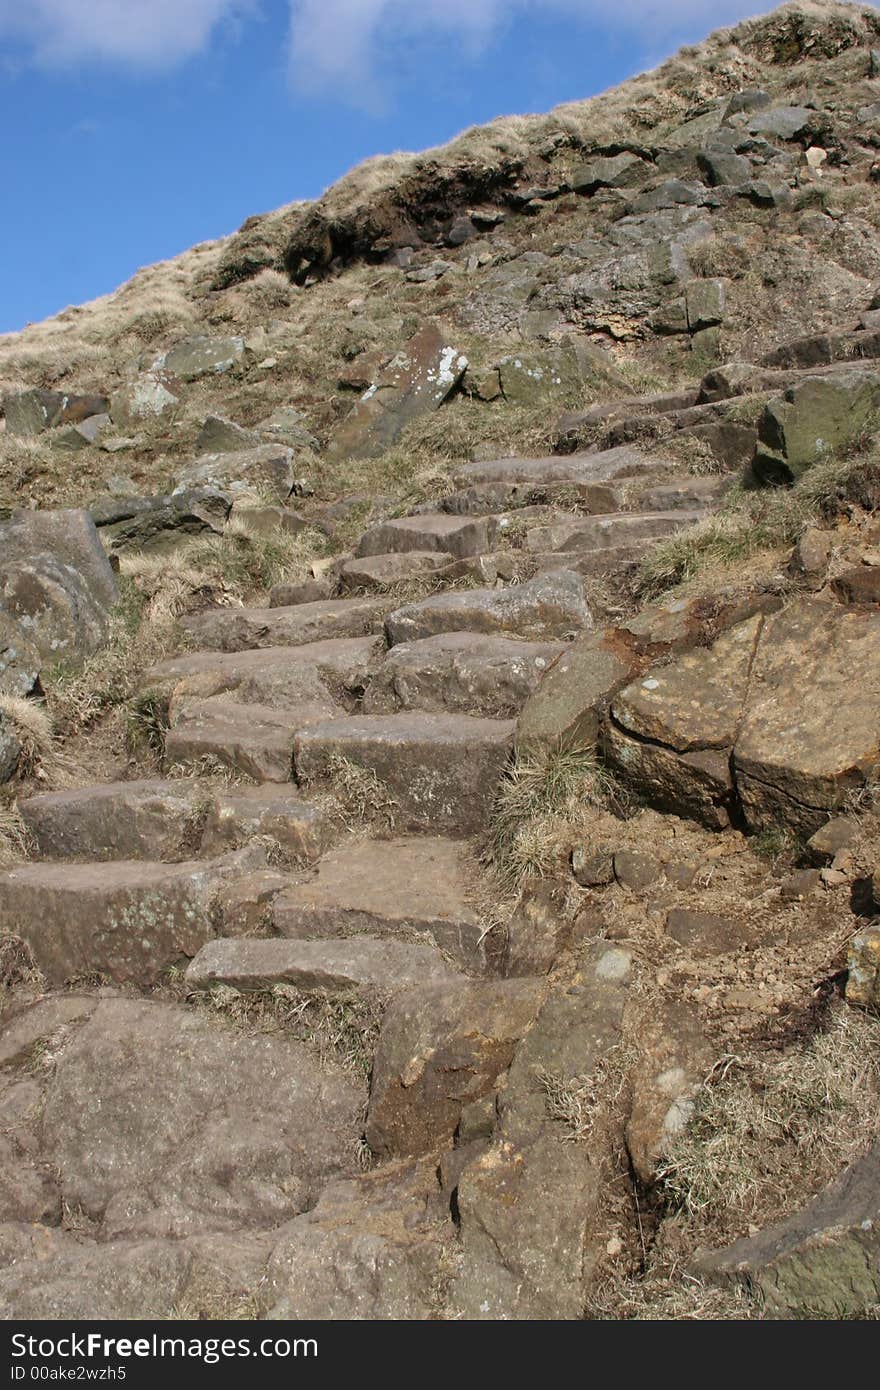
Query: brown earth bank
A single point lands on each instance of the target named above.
(440, 730)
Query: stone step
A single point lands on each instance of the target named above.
(462, 672)
(441, 770)
(660, 403)
(549, 606)
(148, 819)
(253, 739)
(685, 494)
(129, 920)
(487, 498)
(614, 562)
(302, 829)
(603, 466)
(603, 532)
(359, 964)
(276, 676)
(240, 629)
(460, 537)
(375, 573)
(400, 887)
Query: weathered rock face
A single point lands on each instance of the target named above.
(823, 1262)
(414, 383)
(814, 418)
(768, 721)
(863, 968)
(442, 1047)
(370, 1250)
(152, 394)
(669, 734)
(810, 732)
(529, 1202)
(56, 589)
(160, 1121)
(556, 375)
(302, 831)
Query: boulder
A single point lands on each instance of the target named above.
(200, 356)
(221, 436)
(555, 375)
(150, 395)
(462, 672)
(810, 732)
(268, 466)
(162, 1121)
(56, 588)
(609, 171)
(440, 772)
(669, 734)
(357, 965)
(863, 969)
(823, 1262)
(157, 523)
(409, 887)
(149, 819)
(816, 416)
(567, 707)
(29, 413)
(415, 382)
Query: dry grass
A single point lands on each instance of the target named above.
(751, 523)
(17, 965)
(33, 726)
(543, 805)
(580, 1103)
(360, 796)
(343, 1027)
(15, 842)
(665, 1292)
(769, 1132)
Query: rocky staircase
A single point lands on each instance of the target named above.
(413, 701)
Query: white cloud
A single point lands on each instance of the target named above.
(351, 41)
(148, 33)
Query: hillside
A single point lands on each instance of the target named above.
(440, 730)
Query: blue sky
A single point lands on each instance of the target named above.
(135, 128)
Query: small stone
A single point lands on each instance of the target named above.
(592, 869)
(801, 885)
(833, 878)
(635, 871)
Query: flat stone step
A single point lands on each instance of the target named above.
(302, 829)
(148, 819)
(357, 964)
(460, 537)
(254, 739)
(375, 573)
(441, 770)
(128, 920)
(685, 494)
(486, 498)
(603, 532)
(397, 887)
(462, 672)
(276, 676)
(603, 466)
(549, 606)
(238, 629)
(604, 562)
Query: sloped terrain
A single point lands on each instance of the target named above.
(440, 730)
